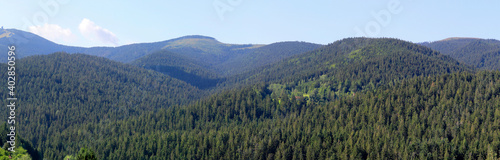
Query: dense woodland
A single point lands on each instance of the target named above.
(453, 116)
(480, 53)
(59, 93)
(356, 98)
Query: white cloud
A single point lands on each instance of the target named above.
(53, 33)
(94, 32)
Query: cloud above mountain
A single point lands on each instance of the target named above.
(92, 31)
(53, 33)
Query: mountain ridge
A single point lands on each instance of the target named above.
(77, 100)
(480, 53)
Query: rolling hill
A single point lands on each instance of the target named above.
(480, 53)
(61, 93)
(217, 57)
(205, 68)
(30, 44)
(353, 64)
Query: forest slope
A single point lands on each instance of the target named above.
(480, 53)
(61, 93)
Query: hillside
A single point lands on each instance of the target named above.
(480, 53)
(352, 65)
(189, 70)
(28, 44)
(227, 59)
(218, 58)
(205, 68)
(31, 44)
(62, 93)
(437, 117)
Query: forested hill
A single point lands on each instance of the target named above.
(190, 70)
(480, 53)
(205, 67)
(450, 116)
(355, 98)
(354, 64)
(61, 93)
(29, 44)
(219, 58)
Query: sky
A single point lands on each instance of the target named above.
(115, 23)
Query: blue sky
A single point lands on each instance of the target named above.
(113, 23)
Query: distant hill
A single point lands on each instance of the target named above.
(190, 70)
(347, 67)
(264, 55)
(360, 98)
(379, 59)
(31, 44)
(220, 58)
(205, 69)
(480, 53)
(28, 44)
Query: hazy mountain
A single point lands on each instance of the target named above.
(197, 98)
(30, 44)
(220, 58)
(480, 53)
(264, 55)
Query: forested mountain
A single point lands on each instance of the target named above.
(61, 93)
(356, 98)
(31, 44)
(224, 59)
(205, 68)
(189, 70)
(217, 57)
(450, 116)
(264, 55)
(352, 65)
(480, 53)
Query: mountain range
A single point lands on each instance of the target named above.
(197, 98)
(480, 53)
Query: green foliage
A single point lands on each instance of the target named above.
(86, 154)
(62, 94)
(480, 53)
